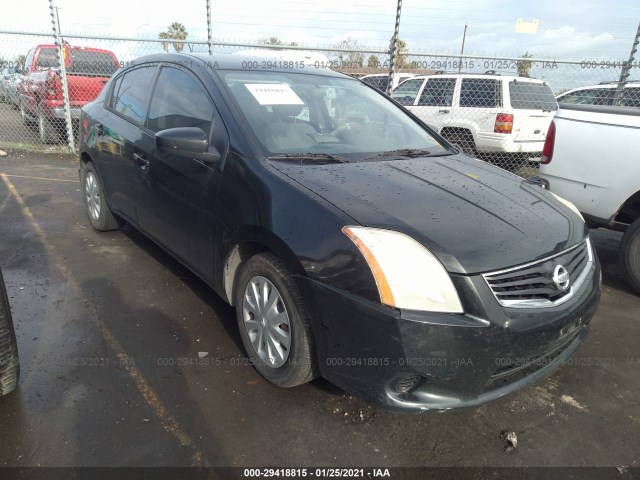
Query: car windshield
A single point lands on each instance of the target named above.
(293, 113)
(532, 96)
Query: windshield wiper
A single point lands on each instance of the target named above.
(402, 152)
(310, 156)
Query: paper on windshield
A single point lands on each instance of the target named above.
(273, 94)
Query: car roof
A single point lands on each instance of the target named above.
(399, 74)
(233, 61)
(479, 75)
(610, 85)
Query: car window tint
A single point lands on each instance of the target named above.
(632, 97)
(531, 96)
(381, 83)
(480, 92)
(131, 93)
(406, 92)
(438, 92)
(47, 58)
(179, 100)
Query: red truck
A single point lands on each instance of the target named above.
(41, 100)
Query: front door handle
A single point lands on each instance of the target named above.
(140, 161)
(443, 111)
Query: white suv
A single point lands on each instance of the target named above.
(483, 112)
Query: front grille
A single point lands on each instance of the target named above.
(519, 368)
(534, 285)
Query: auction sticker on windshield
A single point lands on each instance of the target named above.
(274, 94)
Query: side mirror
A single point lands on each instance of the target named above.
(189, 142)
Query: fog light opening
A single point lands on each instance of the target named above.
(407, 383)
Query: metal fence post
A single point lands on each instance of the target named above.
(393, 50)
(63, 74)
(624, 74)
(209, 36)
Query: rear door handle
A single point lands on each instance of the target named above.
(443, 111)
(140, 161)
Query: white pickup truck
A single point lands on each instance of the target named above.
(591, 158)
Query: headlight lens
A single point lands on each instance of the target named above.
(567, 203)
(407, 274)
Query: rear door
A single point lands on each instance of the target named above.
(117, 137)
(434, 103)
(176, 196)
(533, 106)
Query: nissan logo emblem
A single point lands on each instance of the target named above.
(561, 278)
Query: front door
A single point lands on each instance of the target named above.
(176, 196)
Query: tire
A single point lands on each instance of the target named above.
(48, 131)
(9, 365)
(26, 119)
(462, 139)
(287, 363)
(630, 254)
(99, 213)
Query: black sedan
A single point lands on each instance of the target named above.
(353, 241)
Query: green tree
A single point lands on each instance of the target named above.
(373, 61)
(176, 31)
(524, 65)
(350, 59)
(276, 41)
(19, 61)
(401, 53)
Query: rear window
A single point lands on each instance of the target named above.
(83, 62)
(531, 96)
(86, 62)
(480, 93)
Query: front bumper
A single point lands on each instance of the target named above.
(418, 361)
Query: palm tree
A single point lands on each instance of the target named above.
(176, 31)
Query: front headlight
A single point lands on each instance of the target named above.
(407, 274)
(568, 204)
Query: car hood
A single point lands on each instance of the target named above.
(473, 216)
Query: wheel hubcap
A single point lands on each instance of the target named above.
(93, 196)
(266, 321)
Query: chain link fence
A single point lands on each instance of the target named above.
(495, 108)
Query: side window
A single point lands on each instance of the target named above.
(130, 93)
(632, 97)
(582, 97)
(179, 100)
(480, 93)
(438, 92)
(405, 93)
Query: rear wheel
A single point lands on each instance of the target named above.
(630, 254)
(48, 132)
(274, 322)
(9, 366)
(462, 138)
(26, 119)
(99, 213)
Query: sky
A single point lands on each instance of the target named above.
(567, 29)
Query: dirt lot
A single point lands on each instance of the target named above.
(111, 330)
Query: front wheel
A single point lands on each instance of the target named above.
(630, 254)
(9, 366)
(99, 213)
(274, 322)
